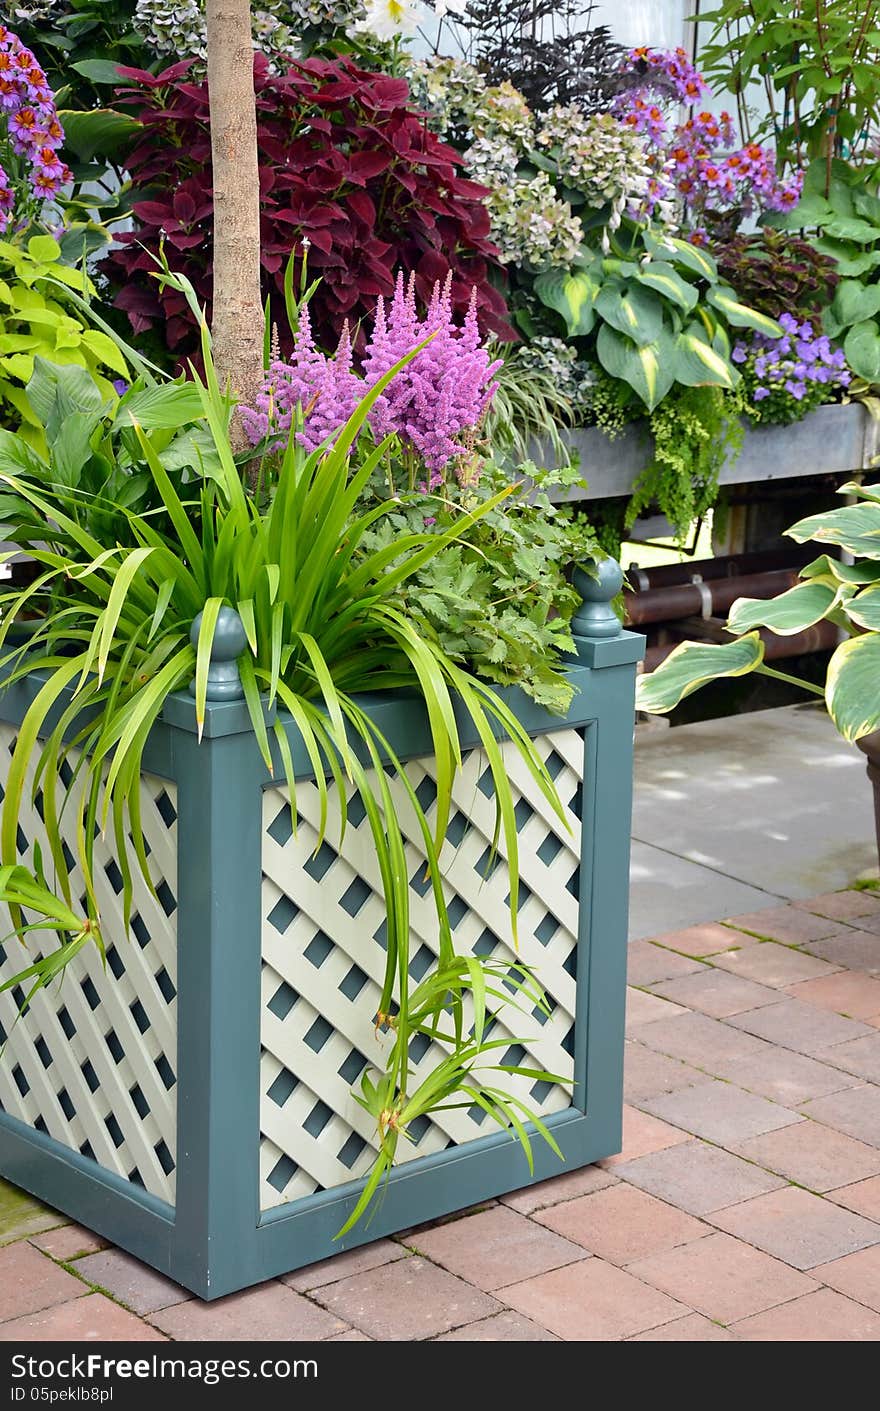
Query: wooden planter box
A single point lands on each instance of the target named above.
(831, 440)
(192, 1102)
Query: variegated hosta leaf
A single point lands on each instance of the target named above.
(648, 370)
(855, 573)
(631, 309)
(790, 612)
(864, 609)
(665, 280)
(740, 315)
(698, 365)
(691, 666)
(684, 254)
(571, 293)
(861, 492)
(852, 688)
(855, 528)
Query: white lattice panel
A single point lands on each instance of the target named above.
(324, 959)
(92, 1062)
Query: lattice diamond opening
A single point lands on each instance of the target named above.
(324, 958)
(92, 1062)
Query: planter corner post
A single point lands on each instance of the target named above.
(611, 654)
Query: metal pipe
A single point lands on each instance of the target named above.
(717, 595)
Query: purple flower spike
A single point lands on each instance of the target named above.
(431, 404)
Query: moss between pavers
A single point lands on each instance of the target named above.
(21, 1215)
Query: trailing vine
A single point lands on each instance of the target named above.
(694, 430)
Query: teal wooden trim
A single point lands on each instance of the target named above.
(101, 1200)
(219, 822)
(604, 901)
(435, 1185)
(624, 650)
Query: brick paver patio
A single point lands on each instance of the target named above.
(744, 1206)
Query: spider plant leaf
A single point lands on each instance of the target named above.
(441, 716)
(478, 988)
(276, 645)
(204, 645)
(63, 671)
(381, 1167)
(321, 735)
(330, 697)
(127, 572)
(254, 704)
(189, 541)
(283, 744)
(245, 610)
(297, 709)
(163, 599)
(144, 710)
(503, 796)
(273, 578)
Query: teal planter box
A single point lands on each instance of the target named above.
(192, 1101)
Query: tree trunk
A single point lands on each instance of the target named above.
(237, 324)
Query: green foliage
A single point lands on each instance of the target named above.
(534, 401)
(81, 43)
(818, 62)
(847, 594)
(695, 430)
(329, 612)
(657, 310)
(776, 271)
(41, 316)
(92, 453)
(840, 202)
(498, 598)
(21, 889)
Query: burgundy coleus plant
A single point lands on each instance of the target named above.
(346, 164)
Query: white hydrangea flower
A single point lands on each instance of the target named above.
(178, 27)
(596, 155)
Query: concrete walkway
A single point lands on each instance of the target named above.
(732, 815)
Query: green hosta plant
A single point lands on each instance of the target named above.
(843, 593)
(324, 622)
(44, 314)
(841, 204)
(655, 310)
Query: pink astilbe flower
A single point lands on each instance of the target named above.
(325, 390)
(438, 398)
